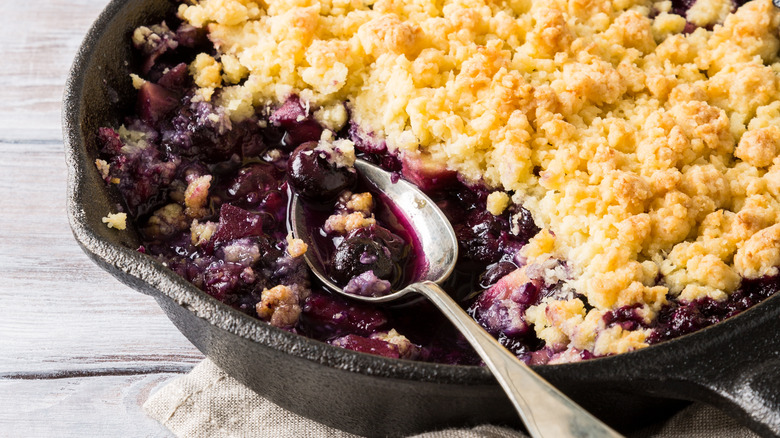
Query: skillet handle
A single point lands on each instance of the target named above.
(753, 396)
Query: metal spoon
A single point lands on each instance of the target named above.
(545, 411)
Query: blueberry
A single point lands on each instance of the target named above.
(222, 279)
(294, 119)
(314, 178)
(235, 223)
(252, 182)
(289, 114)
(190, 36)
(155, 102)
(627, 317)
(203, 131)
(176, 79)
(514, 344)
(274, 201)
(367, 345)
(526, 227)
(494, 273)
(328, 316)
(357, 255)
(526, 294)
(395, 244)
(302, 132)
(482, 237)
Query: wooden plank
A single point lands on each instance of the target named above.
(96, 407)
(59, 313)
(80, 351)
(39, 40)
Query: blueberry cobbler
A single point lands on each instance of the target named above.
(610, 168)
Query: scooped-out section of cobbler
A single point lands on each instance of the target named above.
(610, 168)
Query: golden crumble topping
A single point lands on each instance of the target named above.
(201, 233)
(296, 247)
(104, 168)
(362, 202)
(345, 222)
(196, 196)
(643, 151)
(279, 306)
(115, 220)
(497, 202)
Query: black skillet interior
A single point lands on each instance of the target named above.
(733, 365)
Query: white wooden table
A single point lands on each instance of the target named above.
(79, 352)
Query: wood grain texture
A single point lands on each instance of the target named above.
(39, 41)
(80, 407)
(79, 352)
(53, 296)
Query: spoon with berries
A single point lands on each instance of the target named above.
(363, 265)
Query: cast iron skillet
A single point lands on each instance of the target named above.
(732, 365)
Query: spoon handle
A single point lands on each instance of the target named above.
(545, 411)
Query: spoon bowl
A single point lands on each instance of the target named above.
(435, 238)
(545, 411)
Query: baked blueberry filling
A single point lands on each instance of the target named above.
(209, 195)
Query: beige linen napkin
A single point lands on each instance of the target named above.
(209, 403)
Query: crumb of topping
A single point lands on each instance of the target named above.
(296, 247)
(760, 255)
(116, 220)
(339, 152)
(615, 340)
(759, 147)
(332, 117)
(140, 34)
(667, 24)
(237, 103)
(357, 220)
(242, 251)
(543, 326)
(497, 202)
(327, 135)
(325, 77)
(233, 71)
(693, 270)
(272, 155)
(104, 168)
(709, 12)
(201, 233)
(561, 322)
(132, 139)
(405, 346)
(154, 39)
(279, 305)
(344, 223)
(226, 12)
(207, 73)
(166, 221)
(196, 196)
(362, 202)
(138, 81)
